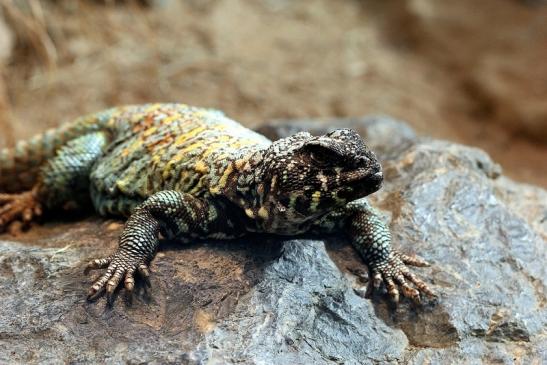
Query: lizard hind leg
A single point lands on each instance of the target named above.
(18, 210)
(63, 181)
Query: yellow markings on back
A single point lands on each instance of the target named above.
(188, 149)
(167, 169)
(153, 107)
(220, 127)
(216, 144)
(156, 159)
(240, 143)
(150, 131)
(250, 213)
(224, 179)
(171, 118)
(201, 167)
(192, 133)
(240, 163)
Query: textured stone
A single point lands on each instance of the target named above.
(263, 300)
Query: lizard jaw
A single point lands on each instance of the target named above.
(362, 182)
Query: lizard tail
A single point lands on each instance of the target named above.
(20, 166)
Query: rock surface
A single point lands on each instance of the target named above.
(261, 300)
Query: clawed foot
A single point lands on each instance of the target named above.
(396, 276)
(18, 210)
(120, 266)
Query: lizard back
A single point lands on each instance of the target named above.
(169, 147)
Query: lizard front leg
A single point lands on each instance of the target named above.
(372, 239)
(173, 214)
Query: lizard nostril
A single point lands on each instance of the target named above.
(362, 160)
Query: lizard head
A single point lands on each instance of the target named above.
(304, 176)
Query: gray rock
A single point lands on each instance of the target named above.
(304, 312)
(261, 300)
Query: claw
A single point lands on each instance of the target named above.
(145, 274)
(93, 294)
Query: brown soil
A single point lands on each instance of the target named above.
(466, 71)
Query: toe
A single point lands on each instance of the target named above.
(113, 283)
(129, 283)
(422, 287)
(97, 264)
(412, 260)
(4, 210)
(5, 198)
(406, 289)
(27, 215)
(391, 289)
(19, 207)
(98, 287)
(145, 274)
(37, 210)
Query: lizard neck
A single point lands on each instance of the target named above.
(249, 183)
(243, 180)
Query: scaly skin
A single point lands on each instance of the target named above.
(191, 173)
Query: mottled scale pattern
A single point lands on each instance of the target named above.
(190, 173)
(170, 147)
(20, 166)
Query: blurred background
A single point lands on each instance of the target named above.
(473, 72)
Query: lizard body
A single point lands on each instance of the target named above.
(192, 173)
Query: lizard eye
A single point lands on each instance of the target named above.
(319, 157)
(322, 156)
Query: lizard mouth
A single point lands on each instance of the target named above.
(362, 182)
(371, 175)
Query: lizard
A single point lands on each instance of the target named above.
(189, 173)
